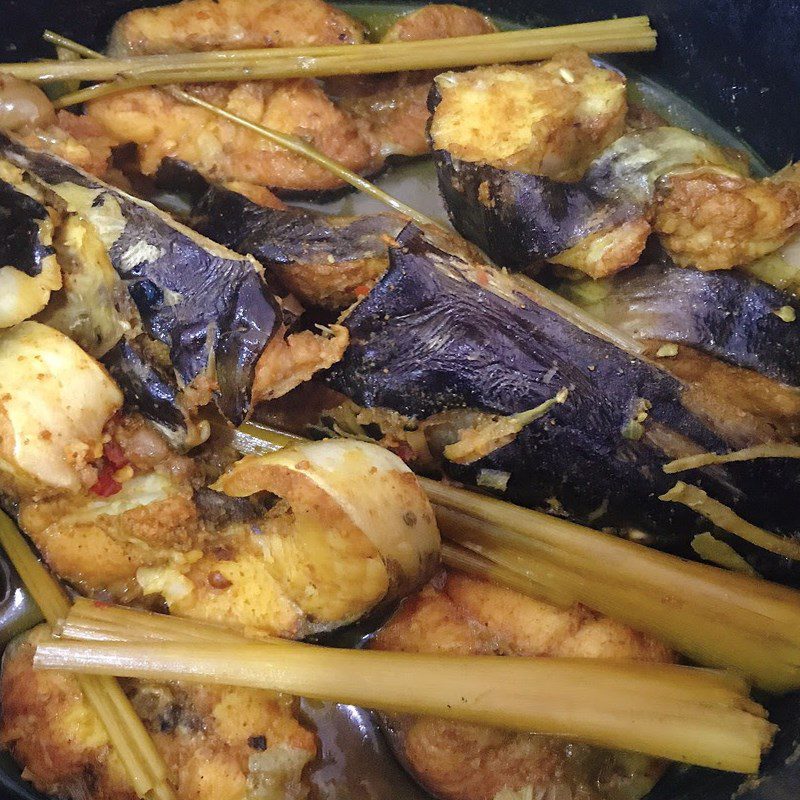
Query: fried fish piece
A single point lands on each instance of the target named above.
(163, 127)
(710, 219)
(218, 742)
(459, 614)
(291, 544)
(395, 106)
(197, 25)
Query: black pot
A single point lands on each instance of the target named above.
(739, 61)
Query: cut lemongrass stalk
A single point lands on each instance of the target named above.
(288, 142)
(91, 621)
(774, 450)
(715, 617)
(142, 762)
(176, 629)
(681, 713)
(88, 620)
(632, 34)
(723, 517)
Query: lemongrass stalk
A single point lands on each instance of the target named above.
(750, 646)
(143, 764)
(90, 621)
(610, 36)
(473, 562)
(132, 625)
(713, 616)
(668, 711)
(283, 63)
(280, 66)
(770, 450)
(534, 531)
(288, 142)
(723, 517)
(106, 622)
(59, 41)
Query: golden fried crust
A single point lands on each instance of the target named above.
(438, 22)
(333, 285)
(395, 107)
(476, 615)
(71, 540)
(607, 252)
(208, 735)
(258, 194)
(162, 127)
(290, 361)
(713, 220)
(52, 733)
(745, 407)
(548, 119)
(457, 761)
(79, 139)
(211, 738)
(196, 25)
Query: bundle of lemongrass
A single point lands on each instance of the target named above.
(142, 762)
(685, 714)
(715, 617)
(631, 34)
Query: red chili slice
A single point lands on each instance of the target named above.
(106, 485)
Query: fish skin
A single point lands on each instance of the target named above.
(210, 307)
(526, 218)
(275, 236)
(428, 339)
(20, 234)
(725, 313)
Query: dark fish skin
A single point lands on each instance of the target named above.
(519, 219)
(148, 388)
(211, 308)
(275, 237)
(21, 245)
(428, 338)
(727, 314)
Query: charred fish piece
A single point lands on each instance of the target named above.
(521, 220)
(440, 334)
(322, 260)
(534, 162)
(207, 306)
(726, 313)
